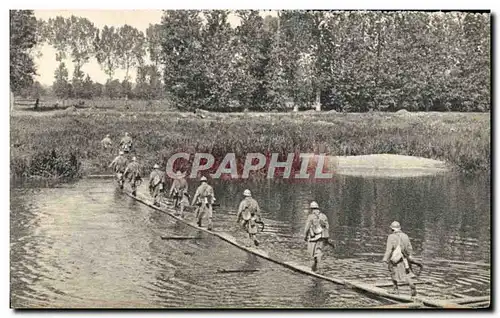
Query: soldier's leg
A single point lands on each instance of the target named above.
(181, 209)
(393, 278)
(209, 214)
(413, 288)
(134, 187)
(201, 213)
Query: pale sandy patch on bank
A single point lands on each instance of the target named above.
(385, 165)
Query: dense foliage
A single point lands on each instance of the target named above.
(343, 60)
(460, 139)
(23, 38)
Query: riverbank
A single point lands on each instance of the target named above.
(66, 143)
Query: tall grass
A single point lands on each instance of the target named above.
(461, 139)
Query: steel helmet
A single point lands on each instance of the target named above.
(314, 205)
(126, 134)
(120, 153)
(134, 158)
(395, 225)
(247, 193)
(202, 179)
(156, 166)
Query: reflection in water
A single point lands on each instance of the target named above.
(88, 245)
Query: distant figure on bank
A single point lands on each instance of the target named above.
(316, 232)
(398, 255)
(178, 191)
(248, 215)
(106, 143)
(126, 143)
(119, 164)
(133, 175)
(204, 198)
(156, 181)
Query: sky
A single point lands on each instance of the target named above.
(140, 19)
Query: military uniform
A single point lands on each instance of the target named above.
(156, 181)
(178, 191)
(133, 175)
(119, 164)
(248, 216)
(204, 197)
(400, 269)
(126, 143)
(316, 233)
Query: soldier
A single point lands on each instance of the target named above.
(119, 164)
(398, 255)
(178, 191)
(316, 233)
(126, 143)
(248, 215)
(106, 143)
(156, 181)
(133, 175)
(204, 198)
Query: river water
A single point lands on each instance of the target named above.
(85, 244)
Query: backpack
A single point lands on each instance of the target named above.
(316, 230)
(397, 254)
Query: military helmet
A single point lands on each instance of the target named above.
(121, 153)
(156, 166)
(203, 179)
(134, 158)
(247, 193)
(314, 205)
(395, 225)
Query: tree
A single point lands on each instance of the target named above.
(130, 48)
(82, 33)
(148, 82)
(22, 40)
(218, 59)
(87, 88)
(113, 89)
(182, 58)
(153, 40)
(61, 86)
(58, 34)
(106, 50)
(252, 47)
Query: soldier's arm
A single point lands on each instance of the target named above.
(409, 248)
(257, 209)
(306, 229)
(240, 209)
(388, 249)
(112, 163)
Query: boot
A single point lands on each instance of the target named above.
(134, 193)
(413, 291)
(314, 267)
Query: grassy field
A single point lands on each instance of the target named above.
(66, 143)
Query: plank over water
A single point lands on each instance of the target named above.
(303, 269)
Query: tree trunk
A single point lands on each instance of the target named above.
(11, 102)
(318, 100)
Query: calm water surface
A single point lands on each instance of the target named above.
(87, 245)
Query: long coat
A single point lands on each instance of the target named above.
(249, 204)
(398, 271)
(315, 248)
